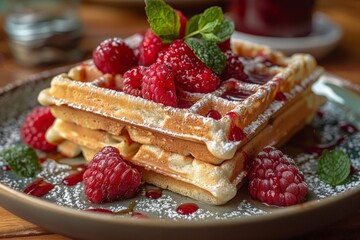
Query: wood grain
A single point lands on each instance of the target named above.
(103, 21)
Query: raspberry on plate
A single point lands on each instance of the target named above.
(274, 179)
(34, 128)
(114, 56)
(133, 81)
(108, 178)
(150, 48)
(158, 85)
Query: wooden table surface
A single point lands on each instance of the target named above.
(103, 21)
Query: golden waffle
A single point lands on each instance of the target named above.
(214, 184)
(83, 89)
(151, 135)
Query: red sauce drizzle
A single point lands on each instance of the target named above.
(214, 114)
(184, 104)
(138, 215)
(73, 179)
(348, 128)
(101, 210)
(153, 193)
(236, 95)
(235, 133)
(280, 96)
(187, 208)
(38, 188)
(259, 78)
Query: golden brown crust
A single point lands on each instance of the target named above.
(182, 149)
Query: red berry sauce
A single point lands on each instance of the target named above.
(214, 115)
(38, 188)
(187, 208)
(259, 78)
(236, 95)
(153, 193)
(100, 210)
(280, 96)
(138, 215)
(348, 128)
(236, 133)
(73, 179)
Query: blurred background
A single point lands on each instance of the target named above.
(30, 44)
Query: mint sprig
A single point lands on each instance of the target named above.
(209, 53)
(211, 25)
(334, 167)
(22, 160)
(203, 31)
(163, 20)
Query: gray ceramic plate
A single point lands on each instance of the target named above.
(62, 210)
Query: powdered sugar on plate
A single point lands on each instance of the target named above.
(165, 206)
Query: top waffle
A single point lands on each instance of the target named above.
(84, 87)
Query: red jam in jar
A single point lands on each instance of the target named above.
(275, 18)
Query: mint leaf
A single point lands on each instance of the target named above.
(224, 30)
(163, 20)
(210, 16)
(210, 26)
(334, 167)
(192, 24)
(209, 53)
(22, 160)
(210, 37)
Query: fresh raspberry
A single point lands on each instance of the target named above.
(183, 22)
(225, 45)
(234, 67)
(274, 179)
(158, 85)
(132, 81)
(179, 57)
(114, 56)
(191, 73)
(108, 178)
(34, 128)
(150, 48)
(199, 80)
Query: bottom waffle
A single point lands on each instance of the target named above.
(206, 182)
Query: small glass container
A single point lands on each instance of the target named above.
(42, 32)
(274, 18)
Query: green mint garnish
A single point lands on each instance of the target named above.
(203, 31)
(22, 160)
(209, 53)
(211, 26)
(163, 20)
(334, 167)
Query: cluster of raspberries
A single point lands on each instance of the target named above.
(154, 70)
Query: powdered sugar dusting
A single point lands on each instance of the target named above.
(165, 207)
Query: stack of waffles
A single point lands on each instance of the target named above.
(184, 149)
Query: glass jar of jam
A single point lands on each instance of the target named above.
(275, 18)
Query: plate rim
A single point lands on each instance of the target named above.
(303, 208)
(8, 193)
